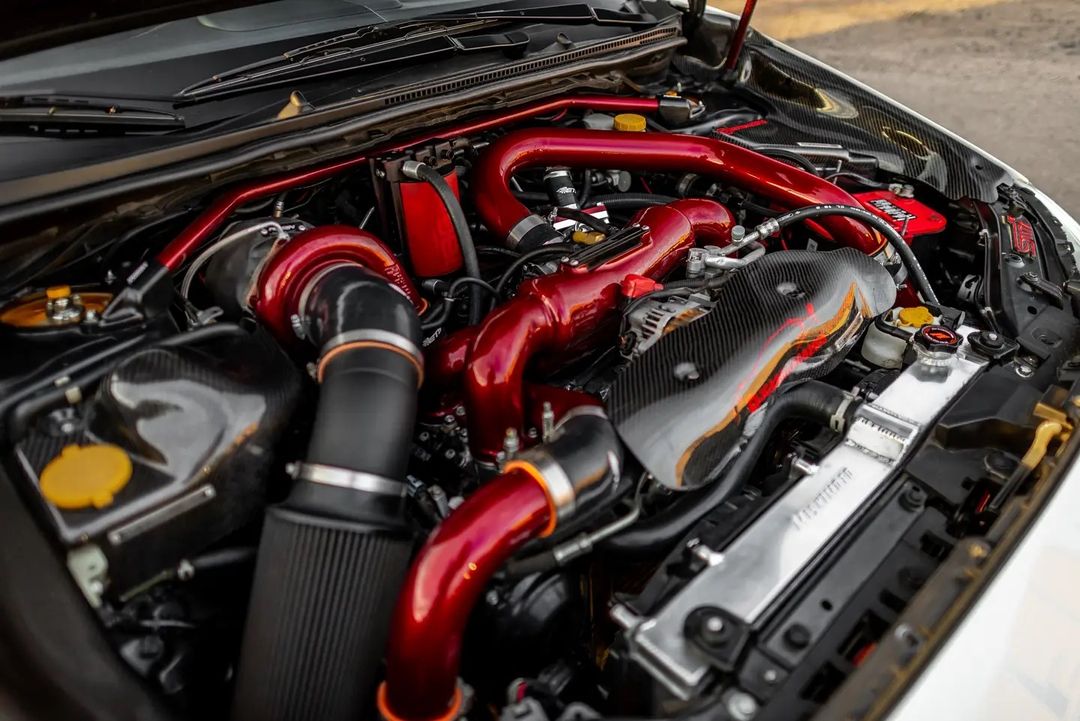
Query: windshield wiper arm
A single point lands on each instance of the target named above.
(428, 36)
(568, 13)
(84, 114)
(422, 44)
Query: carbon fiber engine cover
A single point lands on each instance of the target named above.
(790, 316)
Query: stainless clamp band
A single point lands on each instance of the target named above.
(378, 336)
(344, 478)
(523, 226)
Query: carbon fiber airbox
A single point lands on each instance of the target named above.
(790, 316)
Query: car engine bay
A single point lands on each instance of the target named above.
(659, 404)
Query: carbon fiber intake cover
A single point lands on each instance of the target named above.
(790, 316)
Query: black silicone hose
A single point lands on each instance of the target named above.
(914, 268)
(541, 252)
(432, 177)
(789, 157)
(812, 401)
(333, 555)
(352, 316)
(586, 219)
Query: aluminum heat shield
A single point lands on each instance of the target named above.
(789, 316)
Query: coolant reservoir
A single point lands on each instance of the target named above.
(887, 339)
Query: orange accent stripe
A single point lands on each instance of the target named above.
(387, 715)
(338, 350)
(534, 473)
(827, 327)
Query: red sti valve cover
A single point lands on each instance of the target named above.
(907, 215)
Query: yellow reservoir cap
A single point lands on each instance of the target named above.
(630, 122)
(57, 292)
(915, 317)
(85, 476)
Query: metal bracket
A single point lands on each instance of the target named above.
(90, 569)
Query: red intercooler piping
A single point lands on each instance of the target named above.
(562, 313)
(446, 359)
(443, 585)
(174, 254)
(276, 296)
(785, 185)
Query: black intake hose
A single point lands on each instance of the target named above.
(333, 555)
(812, 401)
(369, 367)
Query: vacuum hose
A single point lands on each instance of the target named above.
(892, 236)
(422, 171)
(333, 555)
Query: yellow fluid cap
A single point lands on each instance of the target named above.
(58, 291)
(587, 237)
(915, 317)
(84, 476)
(630, 122)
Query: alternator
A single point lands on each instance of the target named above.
(648, 322)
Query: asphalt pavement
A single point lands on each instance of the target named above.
(1003, 74)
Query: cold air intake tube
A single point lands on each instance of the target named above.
(575, 470)
(333, 555)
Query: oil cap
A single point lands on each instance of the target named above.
(85, 476)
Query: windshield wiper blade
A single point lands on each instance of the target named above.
(344, 59)
(84, 114)
(424, 37)
(567, 13)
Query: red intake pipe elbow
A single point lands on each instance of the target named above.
(277, 294)
(788, 186)
(560, 314)
(443, 585)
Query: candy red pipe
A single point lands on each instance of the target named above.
(445, 360)
(195, 234)
(276, 296)
(560, 314)
(786, 185)
(443, 585)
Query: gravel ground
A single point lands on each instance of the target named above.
(1006, 77)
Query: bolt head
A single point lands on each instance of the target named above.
(687, 372)
(797, 636)
(742, 706)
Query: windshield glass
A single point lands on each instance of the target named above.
(162, 59)
(222, 80)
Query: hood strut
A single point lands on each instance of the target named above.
(738, 40)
